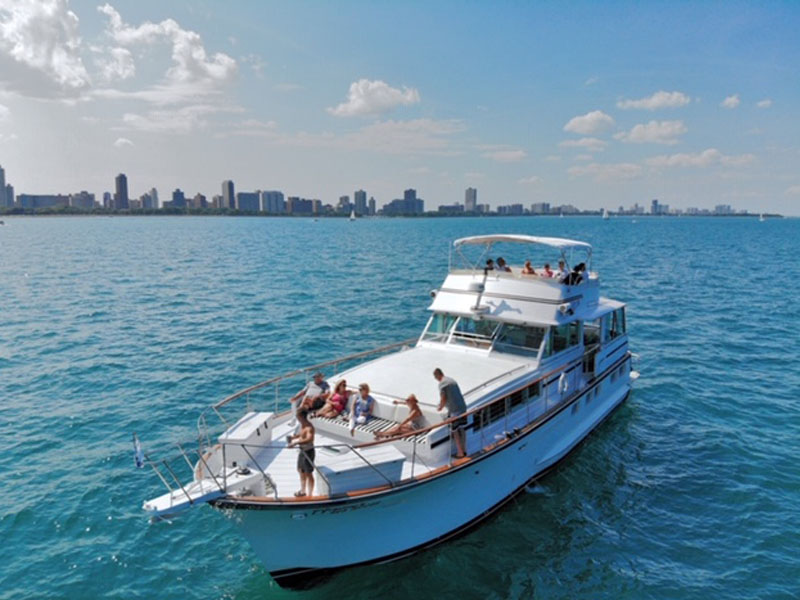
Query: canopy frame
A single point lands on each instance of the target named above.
(565, 247)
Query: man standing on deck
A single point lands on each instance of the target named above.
(450, 396)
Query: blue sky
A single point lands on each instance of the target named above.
(593, 104)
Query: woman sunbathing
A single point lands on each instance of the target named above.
(409, 425)
(337, 401)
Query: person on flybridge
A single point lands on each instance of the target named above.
(451, 397)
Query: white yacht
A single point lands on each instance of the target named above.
(540, 364)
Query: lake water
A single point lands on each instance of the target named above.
(113, 325)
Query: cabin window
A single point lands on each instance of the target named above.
(613, 324)
(439, 327)
(520, 339)
(562, 337)
(474, 333)
(591, 332)
(534, 389)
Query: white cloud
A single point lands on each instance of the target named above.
(792, 190)
(592, 80)
(367, 97)
(505, 156)
(592, 144)
(607, 172)
(192, 67)
(590, 123)
(180, 120)
(765, 103)
(731, 101)
(530, 180)
(42, 36)
(256, 63)
(122, 142)
(4, 112)
(706, 158)
(117, 63)
(654, 132)
(660, 99)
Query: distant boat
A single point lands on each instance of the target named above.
(605, 214)
(761, 218)
(561, 215)
(353, 215)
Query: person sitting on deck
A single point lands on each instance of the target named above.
(548, 272)
(528, 269)
(562, 272)
(337, 401)
(312, 397)
(363, 405)
(305, 459)
(410, 424)
(489, 265)
(502, 266)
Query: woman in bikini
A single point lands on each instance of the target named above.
(337, 401)
(409, 425)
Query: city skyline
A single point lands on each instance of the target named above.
(594, 106)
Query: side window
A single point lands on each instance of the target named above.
(439, 327)
(574, 333)
(560, 337)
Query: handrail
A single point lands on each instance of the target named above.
(321, 365)
(471, 411)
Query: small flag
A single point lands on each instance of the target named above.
(138, 454)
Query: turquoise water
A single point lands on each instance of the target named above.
(113, 325)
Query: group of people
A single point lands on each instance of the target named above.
(561, 274)
(317, 398)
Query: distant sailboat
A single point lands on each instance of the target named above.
(761, 218)
(605, 214)
(353, 215)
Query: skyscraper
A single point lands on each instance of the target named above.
(360, 201)
(372, 207)
(178, 199)
(228, 196)
(121, 193)
(470, 199)
(3, 200)
(154, 197)
(272, 202)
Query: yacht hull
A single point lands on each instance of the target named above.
(299, 543)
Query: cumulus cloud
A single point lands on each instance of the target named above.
(590, 123)
(41, 37)
(606, 172)
(731, 101)
(193, 69)
(122, 142)
(588, 143)
(530, 180)
(367, 97)
(660, 99)
(706, 158)
(765, 103)
(654, 132)
(116, 63)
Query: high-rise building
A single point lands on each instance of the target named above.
(540, 208)
(82, 199)
(228, 196)
(272, 202)
(360, 201)
(43, 200)
(154, 197)
(178, 199)
(3, 199)
(654, 209)
(121, 192)
(216, 201)
(372, 206)
(199, 201)
(9, 195)
(108, 201)
(247, 201)
(470, 199)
